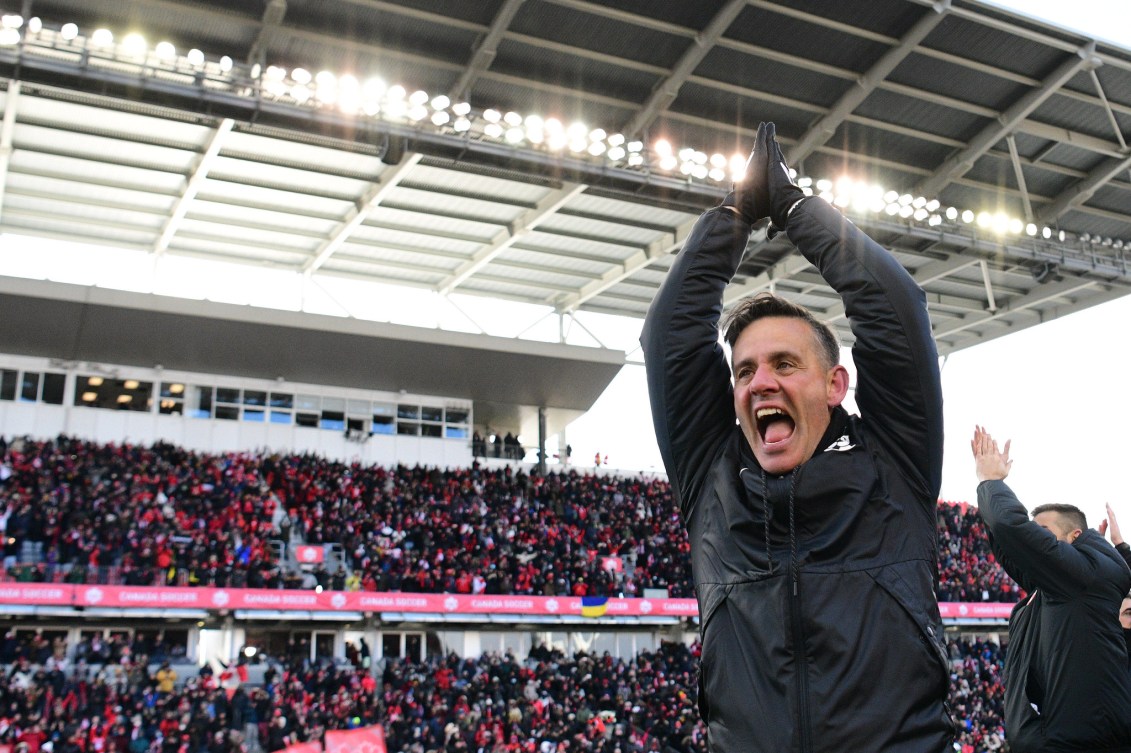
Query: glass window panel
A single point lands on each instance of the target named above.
(53, 385)
(8, 379)
(430, 430)
(408, 428)
(391, 645)
(227, 395)
(282, 400)
(228, 412)
(333, 420)
(408, 411)
(253, 414)
(431, 413)
(307, 419)
(383, 425)
(335, 404)
(29, 386)
(201, 405)
(358, 407)
(171, 407)
(308, 402)
(456, 415)
(175, 390)
(456, 432)
(281, 417)
(254, 397)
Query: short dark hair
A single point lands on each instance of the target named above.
(1072, 514)
(762, 305)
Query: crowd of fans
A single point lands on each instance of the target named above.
(83, 512)
(543, 703)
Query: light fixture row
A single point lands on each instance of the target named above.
(375, 98)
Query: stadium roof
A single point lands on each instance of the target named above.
(230, 152)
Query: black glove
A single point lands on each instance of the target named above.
(766, 190)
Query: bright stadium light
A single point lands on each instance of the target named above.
(69, 32)
(102, 38)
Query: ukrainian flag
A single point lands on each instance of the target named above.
(594, 606)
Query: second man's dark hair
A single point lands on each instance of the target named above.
(755, 307)
(1071, 514)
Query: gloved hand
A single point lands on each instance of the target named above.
(766, 190)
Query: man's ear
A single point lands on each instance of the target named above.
(837, 386)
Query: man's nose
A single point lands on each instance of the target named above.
(763, 381)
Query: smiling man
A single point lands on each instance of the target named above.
(812, 531)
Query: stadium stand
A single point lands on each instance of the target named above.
(81, 512)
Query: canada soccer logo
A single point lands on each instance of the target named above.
(337, 601)
(308, 554)
(221, 598)
(645, 606)
(551, 605)
(451, 603)
(93, 595)
(963, 610)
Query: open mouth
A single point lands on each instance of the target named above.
(774, 425)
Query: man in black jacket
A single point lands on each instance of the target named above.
(812, 531)
(1067, 687)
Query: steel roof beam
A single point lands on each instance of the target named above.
(668, 243)
(356, 215)
(272, 19)
(486, 50)
(518, 229)
(7, 128)
(667, 90)
(195, 181)
(1075, 196)
(958, 164)
(1037, 296)
(823, 129)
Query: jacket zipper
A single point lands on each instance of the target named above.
(800, 651)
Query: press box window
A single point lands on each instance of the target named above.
(53, 387)
(114, 394)
(8, 380)
(29, 387)
(384, 421)
(333, 414)
(201, 405)
(172, 402)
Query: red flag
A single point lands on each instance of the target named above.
(361, 740)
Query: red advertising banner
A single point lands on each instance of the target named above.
(307, 554)
(361, 740)
(372, 601)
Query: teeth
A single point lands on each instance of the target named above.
(764, 412)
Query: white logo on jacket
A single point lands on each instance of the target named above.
(844, 444)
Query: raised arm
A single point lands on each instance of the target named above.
(1032, 555)
(689, 383)
(899, 388)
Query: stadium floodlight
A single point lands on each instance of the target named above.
(557, 141)
(12, 21)
(1046, 233)
(493, 130)
(103, 38)
(301, 93)
(1016, 226)
(1031, 229)
(597, 134)
(396, 93)
(932, 205)
(616, 139)
(967, 216)
(892, 208)
(165, 51)
(951, 214)
(492, 116)
(635, 159)
(823, 185)
(686, 167)
(1061, 236)
(418, 97)
(535, 135)
(226, 64)
(662, 148)
(9, 36)
(440, 102)
(718, 160)
(462, 125)
(919, 202)
(906, 200)
(669, 162)
(737, 166)
(597, 148)
(34, 25)
(417, 113)
(804, 182)
(906, 211)
(134, 44)
(512, 119)
(935, 220)
(514, 135)
(195, 58)
(635, 146)
(69, 32)
(461, 109)
(578, 144)
(616, 154)
(920, 214)
(578, 131)
(1000, 223)
(685, 154)
(891, 197)
(301, 76)
(717, 174)
(699, 172)
(439, 118)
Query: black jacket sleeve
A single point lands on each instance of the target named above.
(689, 383)
(899, 387)
(1030, 554)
